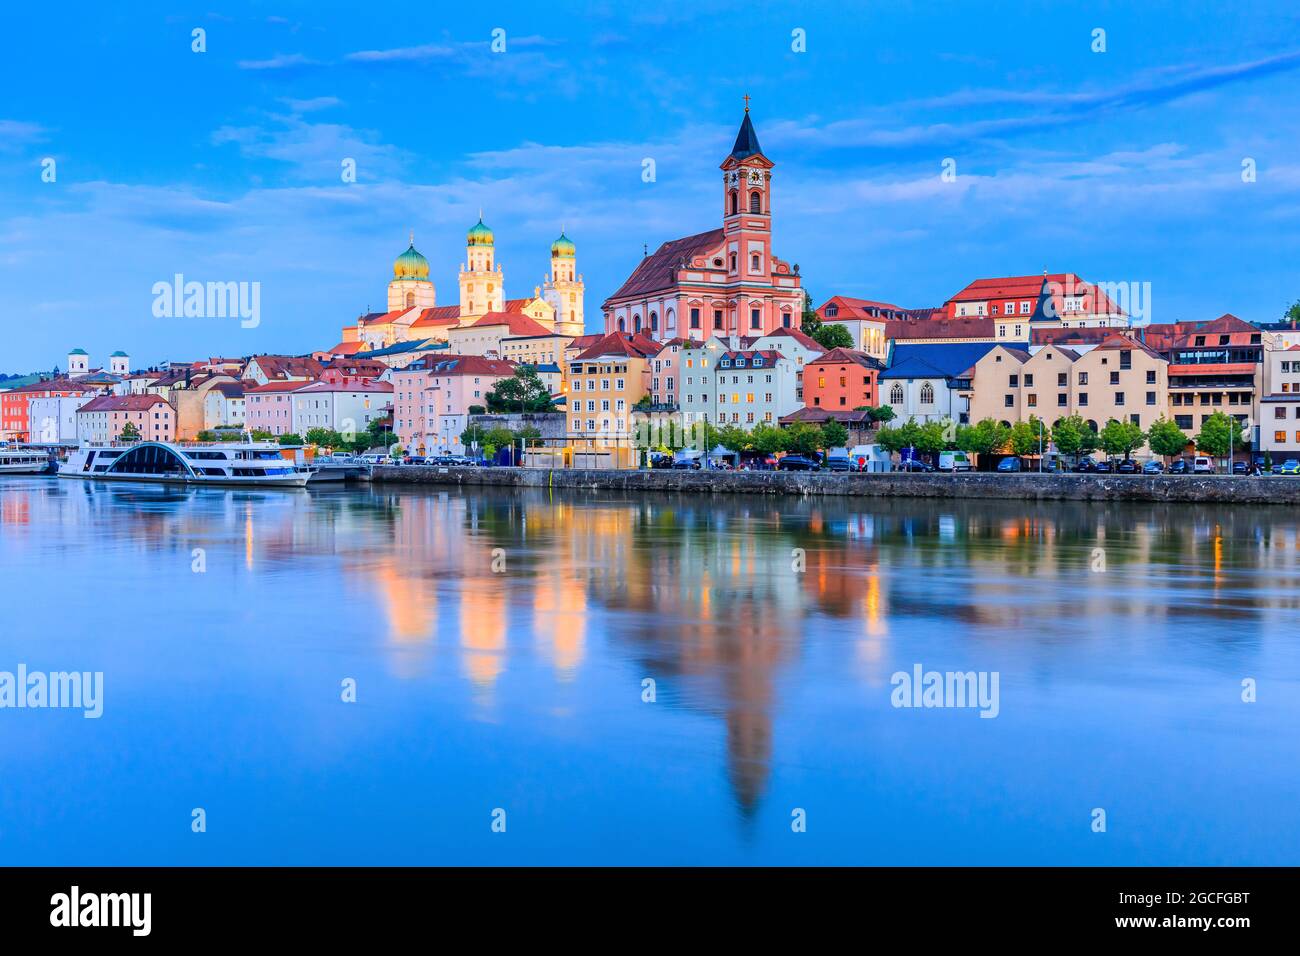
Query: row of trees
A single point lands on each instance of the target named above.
(490, 440)
(1073, 436)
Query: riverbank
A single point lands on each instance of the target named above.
(1273, 489)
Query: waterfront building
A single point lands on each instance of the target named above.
(796, 346)
(223, 406)
(742, 387)
(269, 407)
(15, 403)
(1018, 303)
(726, 281)
(53, 419)
(605, 381)
(340, 404)
(103, 418)
(432, 399)
(841, 380)
(1216, 366)
(264, 369)
(931, 382)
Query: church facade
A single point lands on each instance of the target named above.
(726, 281)
(413, 313)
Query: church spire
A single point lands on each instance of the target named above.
(746, 139)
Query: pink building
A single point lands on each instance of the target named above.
(723, 282)
(432, 398)
(102, 419)
(269, 407)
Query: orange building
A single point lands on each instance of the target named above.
(15, 404)
(841, 379)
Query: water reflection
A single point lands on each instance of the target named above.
(734, 606)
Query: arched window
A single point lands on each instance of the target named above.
(755, 263)
(735, 202)
(670, 320)
(896, 394)
(654, 321)
(410, 299)
(636, 323)
(755, 201)
(622, 327)
(927, 394)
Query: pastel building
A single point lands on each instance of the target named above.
(841, 380)
(745, 388)
(725, 281)
(269, 407)
(103, 419)
(54, 419)
(605, 381)
(865, 320)
(342, 406)
(931, 382)
(431, 399)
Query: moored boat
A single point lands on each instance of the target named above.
(15, 460)
(208, 463)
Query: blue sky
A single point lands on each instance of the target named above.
(225, 165)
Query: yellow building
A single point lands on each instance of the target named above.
(605, 381)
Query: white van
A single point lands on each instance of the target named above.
(1202, 465)
(954, 461)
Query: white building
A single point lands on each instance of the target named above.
(55, 419)
(223, 406)
(745, 388)
(931, 382)
(340, 406)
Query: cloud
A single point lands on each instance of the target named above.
(15, 133)
(315, 150)
(281, 61)
(310, 105)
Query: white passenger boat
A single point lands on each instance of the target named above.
(22, 461)
(198, 463)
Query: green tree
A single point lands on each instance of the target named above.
(768, 439)
(474, 435)
(834, 435)
(129, 432)
(802, 438)
(1122, 438)
(881, 413)
(984, 438)
(1073, 437)
(1166, 438)
(1292, 314)
(1025, 436)
(207, 435)
(261, 434)
(833, 336)
(733, 438)
(809, 321)
(325, 438)
(290, 439)
(522, 392)
(896, 438)
(531, 436)
(935, 437)
(1219, 434)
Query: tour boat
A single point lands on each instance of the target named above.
(22, 461)
(205, 463)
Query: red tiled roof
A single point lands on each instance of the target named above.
(366, 386)
(438, 316)
(1096, 301)
(516, 322)
(1119, 341)
(122, 403)
(282, 366)
(1055, 335)
(967, 327)
(655, 272)
(443, 364)
(857, 308)
(620, 343)
(846, 357)
(276, 387)
(800, 336)
(346, 348)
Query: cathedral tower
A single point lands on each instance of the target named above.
(411, 287)
(481, 284)
(564, 288)
(747, 229)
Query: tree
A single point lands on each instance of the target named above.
(1122, 438)
(1219, 434)
(474, 435)
(985, 437)
(881, 413)
(290, 439)
(1292, 314)
(834, 435)
(895, 438)
(129, 432)
(325, 438)
(206, 436)
(261, 434)
(1073, 437)
(934, 437)
(733, 438)
(810, 321)
(522, 392)
(498, 437)
(833, 336)
(531, 436)
(768, 439)
(1025, 436)
(1166, 438)
(802, 438)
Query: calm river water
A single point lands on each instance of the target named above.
(502, 647)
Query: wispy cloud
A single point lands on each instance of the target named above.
(281, 61)
(15, 133)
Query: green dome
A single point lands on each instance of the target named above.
(78, 352)
(564, 247)
(118, 355)
(480, 235)
(411, 265)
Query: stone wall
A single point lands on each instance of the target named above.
(1273, 489)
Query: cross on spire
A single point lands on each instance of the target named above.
(746, 102)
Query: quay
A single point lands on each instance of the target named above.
(1271, 489)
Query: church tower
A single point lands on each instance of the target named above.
(481, 284)
(747, 229)
(411, 287)
(564, 288)
(78, 363)
(119, 363)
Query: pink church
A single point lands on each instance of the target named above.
(722, 282)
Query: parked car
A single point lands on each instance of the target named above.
(1127, 467)
(1288, 467)
(838, 463)
(1181, 467)
(1104, 468)
(914, 464)
(686, 464)
(1153, 468)
(797, 463)
(1201, 465)
(375, 459)
(1010, 463)
(954, 461)
(1086, 466)
(1240, 468)
(413, 460)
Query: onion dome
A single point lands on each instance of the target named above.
(410, 264)
(480, 235)
(78, 352)
(564, 246)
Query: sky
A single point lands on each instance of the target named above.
(1122, 165)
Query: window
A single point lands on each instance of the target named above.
(1024, 308)
(695, 318)
(1009, 401)
(717, 318)
(1083, 378)
(1083, 399)
(896, 394)
(1119, 398)
(927, 394)
(755, 318)
(1114, 378)
(755, 201)
(1151, 376)
(1151, 398)
(1013, 381)
(1033, 400)
(1029, 381)
(755, 263)
(1061, 400)
(1125, 359)
(1279, 437)
(1062, 380)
